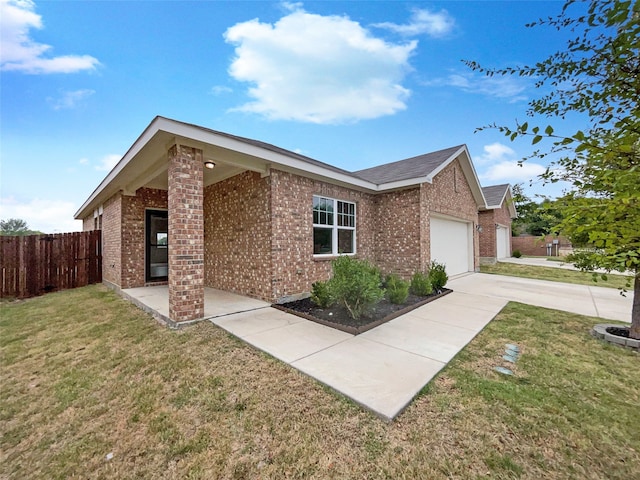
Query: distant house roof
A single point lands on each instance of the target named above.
(496, 195)
(420, 166)
(145, 164)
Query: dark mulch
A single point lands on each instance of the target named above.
(338, 317)
(619, 331)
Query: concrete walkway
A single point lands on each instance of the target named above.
(383, 369)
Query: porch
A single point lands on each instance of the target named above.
(217, 303)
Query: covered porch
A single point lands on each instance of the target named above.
(217, 303)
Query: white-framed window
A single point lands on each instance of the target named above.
(334, 226)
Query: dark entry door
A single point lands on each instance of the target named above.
(157, 251)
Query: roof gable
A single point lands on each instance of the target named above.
(497, 195)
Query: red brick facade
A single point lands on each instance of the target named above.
(252, 234)
(488, 220)
(186, 233)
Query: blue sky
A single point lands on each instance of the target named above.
(354, 84)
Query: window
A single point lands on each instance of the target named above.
(334, 226)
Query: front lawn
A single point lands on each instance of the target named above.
(555, 274)
(85, 374)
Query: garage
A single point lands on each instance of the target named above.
(451, 244)
(502, 242)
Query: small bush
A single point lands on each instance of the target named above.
(320, 294)
(421, 285)
(438, 275)
(355, 285)
(397, 289)
(516, 254)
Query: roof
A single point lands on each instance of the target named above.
(420, 166)
(497, 195)
(145, 163)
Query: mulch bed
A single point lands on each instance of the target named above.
(619, 331)
(337, 317)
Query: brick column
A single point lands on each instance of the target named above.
(186, 234)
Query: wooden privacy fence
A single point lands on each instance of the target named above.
(36, 264)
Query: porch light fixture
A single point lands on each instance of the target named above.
(479, 228)
(209, 164)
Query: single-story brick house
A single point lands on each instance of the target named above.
(495, 223)
(194, 207)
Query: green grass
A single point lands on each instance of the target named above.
(85, 374)
(555, 274)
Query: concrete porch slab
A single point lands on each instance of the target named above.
(217, 303)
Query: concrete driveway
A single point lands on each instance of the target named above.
(582, 299)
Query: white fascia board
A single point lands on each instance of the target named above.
(410, 182)
(211, 138)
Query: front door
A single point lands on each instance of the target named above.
(157, 251)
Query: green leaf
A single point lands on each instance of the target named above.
(548, 130)
(536, 139)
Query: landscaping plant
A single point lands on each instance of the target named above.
(397, 289)
(355, 285)
(516, 254)
(421, 285)
(320, 294)
(438, 276)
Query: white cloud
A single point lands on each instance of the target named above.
(318, 69)
(494, 152)
(506, 87)
(513, 172)
(21, 53)
(500, 164)
(83, 161)
(108, 162)
(48, 216)
(70, 100)
(220, 90)
(434, 24)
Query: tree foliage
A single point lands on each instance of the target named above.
(15, 226)
(597, 77)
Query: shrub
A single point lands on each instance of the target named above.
(516, 254)
(355, 285)
(397, 289)
(438, 276)
(320, 294)
(421, 285)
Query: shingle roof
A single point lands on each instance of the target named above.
(266, 146)
(415, 167)
(494, 194)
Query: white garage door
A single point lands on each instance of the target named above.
(502, 242)
(450, 244)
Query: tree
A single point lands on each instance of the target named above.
(597, 77)
(14, 226)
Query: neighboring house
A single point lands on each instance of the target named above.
(193, 207)
(495, 223)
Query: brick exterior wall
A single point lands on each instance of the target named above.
(537, 246)
(294, 266)
(133, 233)
(398, 232)
(449, 194)
(237, 235)
(253, 235)
(186, 233)
(112, 240)
(487, 220)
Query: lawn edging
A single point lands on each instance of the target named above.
(368, 326)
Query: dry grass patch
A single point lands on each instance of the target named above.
(85, 374)
(555, 274)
